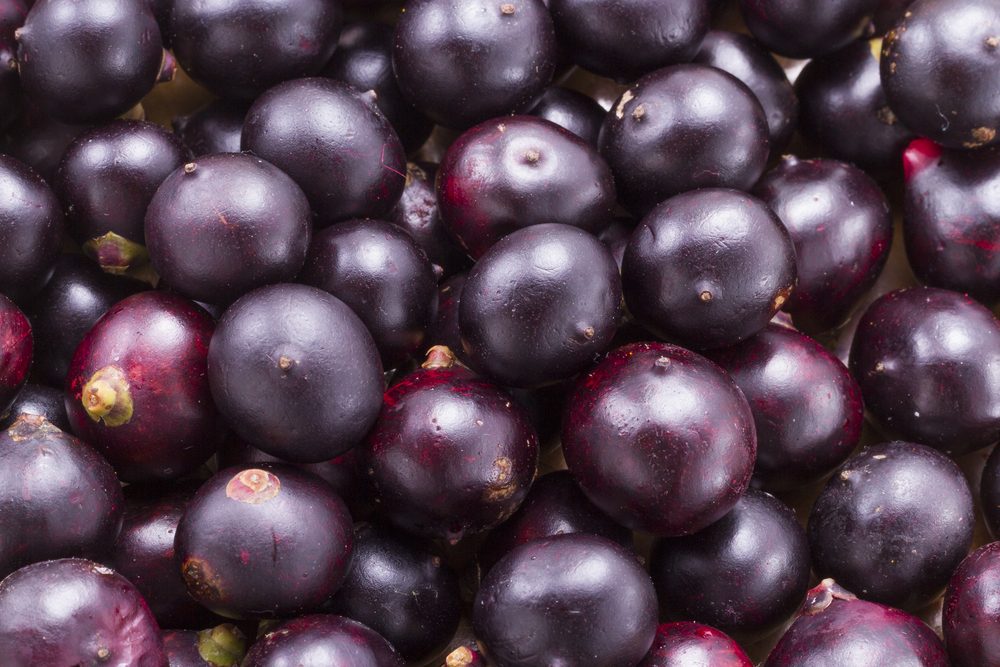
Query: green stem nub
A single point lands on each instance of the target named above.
(106, 397)
(222, 646)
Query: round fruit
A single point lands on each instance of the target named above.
(804, 29)
(510, 173)
(689, 644)
(16, 351)
(320, 641)
(571, 110)
(925, 360)
(451, 454)
(41, 401)
(708, 268)
(378, 270)
(240, 48)
(86, 61)
(295, 373)
(215, 128)
(464, 61)
(659, 438)
(940, 70)
(876, 528)
(539, 305)
(137, 387)
(541, 604)
(334, 142)
(75, 612)
(221, 646)
(971, 615)
(225, 224)
(106, 179)
(266, 541)
(682, 128)
(840, 224)
(39, 141)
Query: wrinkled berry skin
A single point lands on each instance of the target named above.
(690, 644)
(803, 29)
(363, 59)
(59, 497)
(682, 128)
(87, 61)
(334, 142)
(400, 589)
(539, 305)
(840, 224)
(708, 268)
(877, 529)
(751, 63)
(454, 59)
(215, 128)
(75, 612)
(39, 400)
(951, 221)
(322, 640)
(625, 40)
(240, 48)
(31, 227)
(555, 505)
(744, 574)
(536, 607)
(924, 358)
(659, 438)
(836, 628)
(806, 406)
(295, 373)
(450, 455)
(572, 110)
(16, 351)
(266, 541)
(843, 110)
(510, 173)
(941, 69)
(971, 614)
(378, 270)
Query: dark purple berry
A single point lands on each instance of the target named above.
(41, 401)
(572, 110)
(971, 615)
(320, 641)
(215, 128)
(690, 644)
(804, 29)
(16, 352)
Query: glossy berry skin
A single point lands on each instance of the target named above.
(836, 628)
(555, 505)
(682, 128)
(644, 453)
(264, 541)
(451, 454)
(417, 212)
(690, 644)
(971, 615)
(624, 41)
(16, 352)
(744, 574)
(875, 528)
(743, 57)
(215, 128)
(144, 400)
(105, 182)
(539, 305)
(295, 373)
(844, 111)
(41, 401)
(240, 48)
(455, 62)
(888, 14)
(363, 59)
(571, 110)
(143, 553)
(378, 270)
(568, 599)
(71, 302)
(924, 360)
(951, 219)
(400, 589)
(940, 70)
(806, 406)
(322, 640)
(88, 61)
(840, 224)
(334, 142)
(221, 646)
(708, 268)
(803, 29)
(59, 498)
(31, 226)
(510, 173)
(39, 141)
(225, 224)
